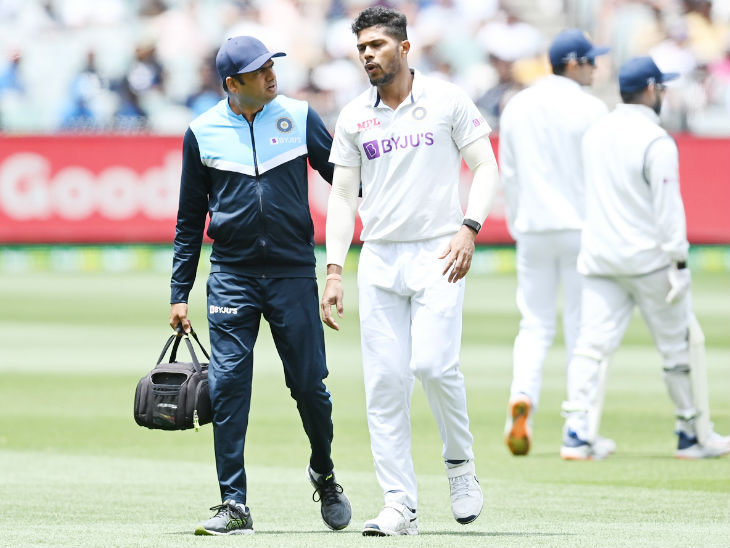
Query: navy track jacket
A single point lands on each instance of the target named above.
(251, 178)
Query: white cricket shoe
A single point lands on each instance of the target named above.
(466, 493)
(604, 446)
(689, 448)
(393, 519)
(575, 448)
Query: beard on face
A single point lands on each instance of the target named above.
(387, 76)
(384, 79)
(657, 105)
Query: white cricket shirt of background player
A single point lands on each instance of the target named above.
(635, 220)
(410, 178)
(539, 153)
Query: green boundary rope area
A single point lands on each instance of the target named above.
(158, 258)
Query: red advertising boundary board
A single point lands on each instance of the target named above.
(124, 189)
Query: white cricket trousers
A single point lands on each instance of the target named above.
(545, 262)
(410, 323)
(608, 304)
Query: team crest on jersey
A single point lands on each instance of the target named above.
(284, 124)
(419, 113)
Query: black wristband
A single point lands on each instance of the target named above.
(681, 265)
(471, 223)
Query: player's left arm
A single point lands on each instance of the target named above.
(479, 156)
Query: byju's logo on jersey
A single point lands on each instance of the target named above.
(222, 310)
(285, 140)
(374, 149)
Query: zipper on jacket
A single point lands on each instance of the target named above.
(256, 167)
(258, 184)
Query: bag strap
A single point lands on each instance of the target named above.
(196, 363)
(197, 340)
(173, 354)
(167, 345)
(180, 334)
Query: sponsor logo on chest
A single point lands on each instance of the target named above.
(285, 140)
(379, 147)
(368, 124)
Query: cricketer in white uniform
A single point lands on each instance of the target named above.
(404, 139)
(634, 253)
(541, 170)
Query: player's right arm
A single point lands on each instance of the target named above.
(341, 210)
(192, 209)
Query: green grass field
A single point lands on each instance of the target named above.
(75, 469)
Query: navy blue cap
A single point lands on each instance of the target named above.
(573, 44)
(637, 73)
(242, 54)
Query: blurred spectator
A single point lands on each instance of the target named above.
(130, 116)
(11, 87)
(506, 41)
(712, 118)
(673, 55)
(482, 45)
(145, 74)
(209, 91)
(90, 102)
(708, 38)
(493, 101)
(631, 27)
(10, 79)
(140, 84)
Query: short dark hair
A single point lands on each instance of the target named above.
(236, 78)
(632, 97)
(394, 22)
(559, 69)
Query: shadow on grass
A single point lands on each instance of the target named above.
(259, 532)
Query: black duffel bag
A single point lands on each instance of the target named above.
(174, 395)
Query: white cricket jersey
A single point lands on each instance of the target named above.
(540, 136)
(634, 213)
(409, 158)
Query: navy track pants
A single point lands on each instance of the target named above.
(291, 307)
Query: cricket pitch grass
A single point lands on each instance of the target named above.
(75, 469)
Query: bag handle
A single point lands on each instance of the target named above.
(176, 337)
(167, 345)
(183, 334)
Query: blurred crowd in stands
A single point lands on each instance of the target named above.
(149, 65)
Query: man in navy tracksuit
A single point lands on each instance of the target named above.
(245, 164)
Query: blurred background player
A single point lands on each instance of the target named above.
(634, 253)
(542, 176)
(245, 163)
(404, 138)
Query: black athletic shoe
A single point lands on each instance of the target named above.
(335, 508)
(231, 518)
